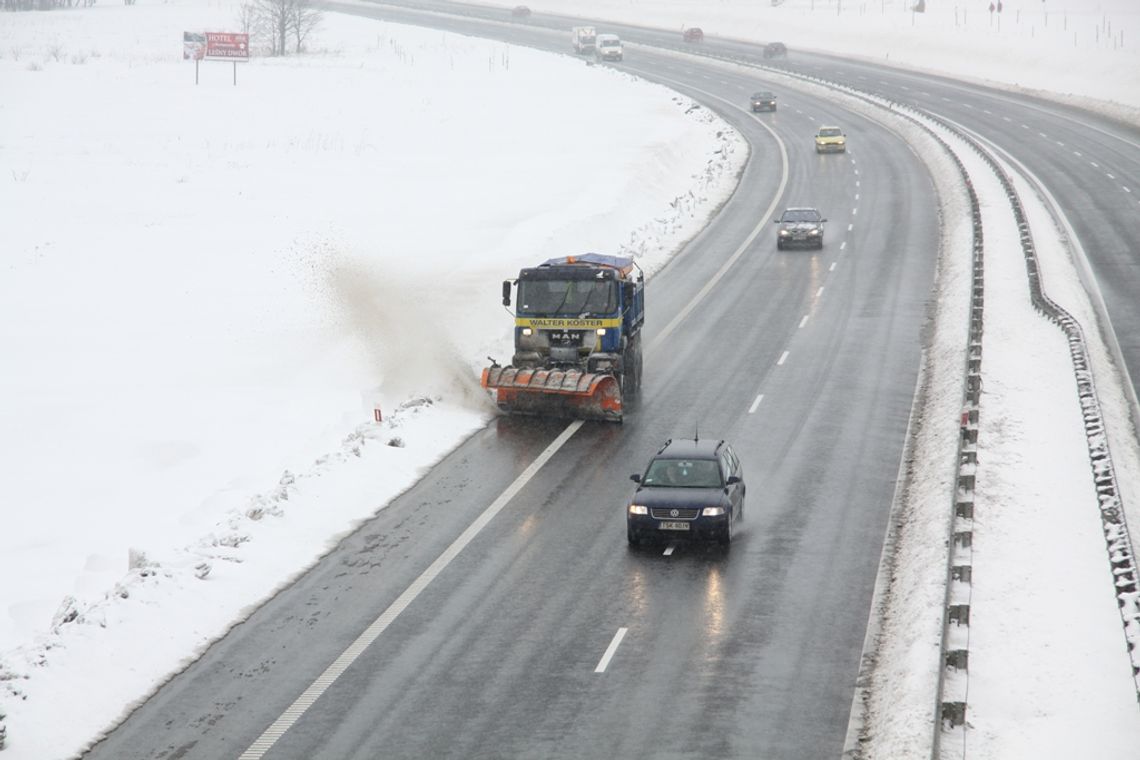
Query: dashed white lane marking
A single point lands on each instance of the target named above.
(832, 267)
(903, 87)
(783, 358)
(1095, 165)
(1110, 176)
(669, 550)
(856, 196)
(1061, 143)
(850, 227)
(843, 245)
(803, 321)
(1078, 154)
(818, 293)
(1126, 188)
(1006, 118)
(1042, 134)
(266, 741)
(609, 655)
(857, 183)
(987, 112)
(756, 403)
(854, 212)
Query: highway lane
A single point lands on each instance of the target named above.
(805, 360)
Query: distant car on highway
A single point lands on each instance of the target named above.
(520, 11)
(693, 34)
(763, 101)
(800, 226)
(775, 50)
(607, 47)
(830, 140)
(691, 489)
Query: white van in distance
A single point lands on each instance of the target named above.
(608, 48)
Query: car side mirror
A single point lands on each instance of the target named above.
(635, 478)
(821, 221)
(733, 479)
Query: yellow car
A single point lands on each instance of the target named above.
(830, 140)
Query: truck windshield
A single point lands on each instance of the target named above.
(567, 297)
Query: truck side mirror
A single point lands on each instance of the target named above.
(506, 292)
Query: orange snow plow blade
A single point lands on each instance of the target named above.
(555, 392)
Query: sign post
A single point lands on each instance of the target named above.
(225, 46)
(215, 46)
(193, 48)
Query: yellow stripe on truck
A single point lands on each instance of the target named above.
(540, 323)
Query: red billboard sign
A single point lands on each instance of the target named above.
(224, 46)
(193, 46)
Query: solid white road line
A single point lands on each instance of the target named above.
(605, 661)
(356, 648)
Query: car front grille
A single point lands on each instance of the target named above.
(666, 513)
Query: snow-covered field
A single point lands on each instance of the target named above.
(207, 290)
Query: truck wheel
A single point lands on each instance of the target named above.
(631, 370)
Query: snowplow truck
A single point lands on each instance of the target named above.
(578, 323)
(583, 38)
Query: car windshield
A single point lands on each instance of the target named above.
(800, 215)
(763, 96)
(683, 473)
(830, 132)
(567, 297)
(609, 43)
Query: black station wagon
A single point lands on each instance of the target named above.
(691, 489)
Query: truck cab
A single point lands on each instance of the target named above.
(583, 38)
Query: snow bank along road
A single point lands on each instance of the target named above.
(807, 362)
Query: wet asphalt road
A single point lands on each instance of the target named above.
(806, 361)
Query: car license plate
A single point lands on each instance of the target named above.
(666, 525)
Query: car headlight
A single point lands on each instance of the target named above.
(637, 509)
(813, 232)
(712, 511)
(784, 232)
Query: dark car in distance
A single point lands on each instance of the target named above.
(763, 101)
(775, 50)
(692, 489)
(800, 226)
(520, 11)
(693, 34)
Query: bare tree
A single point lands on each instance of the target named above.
(275, 17)
(306, 18)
